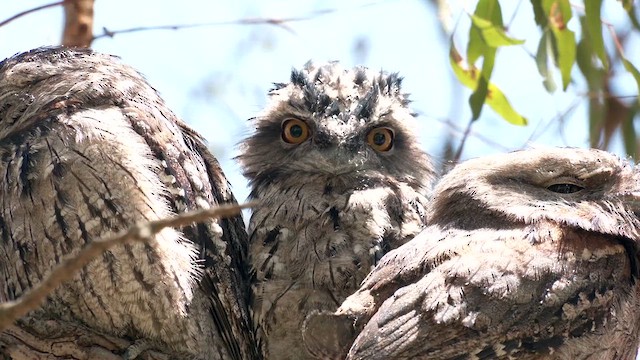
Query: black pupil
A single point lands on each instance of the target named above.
(379, 139)
(295, 131)
(565, 188)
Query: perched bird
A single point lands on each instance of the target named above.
(88, 148)
(529, 255)
(341, 180)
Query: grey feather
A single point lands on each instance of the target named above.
(529, 255)
(331, 204)
(88, 148)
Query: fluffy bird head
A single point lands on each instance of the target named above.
(586, 188)
(333, 122)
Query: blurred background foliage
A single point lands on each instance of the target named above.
(559, 49)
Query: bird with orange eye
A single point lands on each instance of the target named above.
(295, 131)
(341, 180)
(380, 139)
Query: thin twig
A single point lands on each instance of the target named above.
(279, 22)
(27, 12)
(614, 35)
(558, 117)
(513, 15)
(484, 139)
(612, 31)
(10, 311)
(465, 135)
(282, 23)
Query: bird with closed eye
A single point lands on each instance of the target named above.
(340, 180)
(89, 149)
(528, 255)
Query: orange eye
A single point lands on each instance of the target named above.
(380, 139)
(294, 131)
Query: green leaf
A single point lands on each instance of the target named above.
(476, 46)
(499, 103)
(495, 98)
(629, 133)
(539, 14)
(566, 41)
(559, 14)
(585, 58)
(627, 4)
(478, 97)
(594, 29)
(487, 63)
(490, 10)
(634, 18)
(632, 69)
(597, 119)
(595, 77)
(545, 50)
(480, 93)
(493, 35)
(485, 35)
(468, 78)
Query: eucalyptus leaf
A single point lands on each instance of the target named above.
(499, 103)
(491, 11)
(493, 35)
(566, 45)
(545, 50)
(539, 14)
(594, 29)
(559, 14)
(634, 72)
(478, 97)
(495, 98)
(629, 136)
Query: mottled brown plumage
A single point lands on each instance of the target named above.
(341, 180)
(88, 148)
(529, 255)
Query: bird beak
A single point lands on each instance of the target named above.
(631, 199)
(630, 193)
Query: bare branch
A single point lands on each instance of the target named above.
(13, 310)
(560, 117)
(614, 37)
(27, 12)
(465, 135)
(513, 16)
(485, 139)
(281, 23)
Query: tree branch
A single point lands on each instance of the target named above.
(282, 23)
(10, 311)
(27, 12)
(485, 139)
(465, 135)
(78, 23)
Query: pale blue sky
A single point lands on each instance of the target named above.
(216, 77)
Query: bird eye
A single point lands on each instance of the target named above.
(566, 188)
(380, 139)
(294, 131)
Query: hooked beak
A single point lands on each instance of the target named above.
(631, 200)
